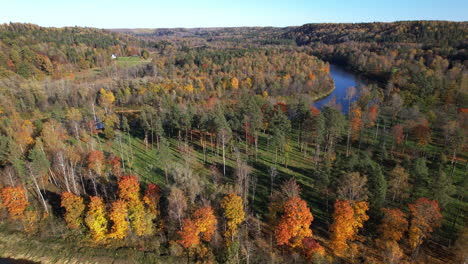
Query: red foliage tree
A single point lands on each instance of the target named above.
(152, 197)
(394, 224)
(397, 134)
(422, 134)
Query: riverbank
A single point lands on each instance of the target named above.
(323, 95)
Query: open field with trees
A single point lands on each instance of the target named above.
(204, 145)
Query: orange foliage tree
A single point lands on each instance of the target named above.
(294, 224)
(115, 166)
(203, 222)
(129, 188)
(15, 200)
(425, 216)
(347, 219)
(356, 121)
(234, 212)
(96, 162)
(372, 115)
(118, 216)
(394, 224)
(342, 228)
(96, 218)
(189, 234)
(129, 191)
(206, 222)
(74, 207)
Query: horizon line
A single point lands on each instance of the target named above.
(244, 26)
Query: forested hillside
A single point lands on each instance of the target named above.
(33, 51)
(428, 33)
(424, 59)
(204, 145)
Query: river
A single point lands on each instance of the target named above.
(343, 80)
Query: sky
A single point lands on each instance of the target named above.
(233, 13)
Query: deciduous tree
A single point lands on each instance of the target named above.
(96, 219)
(189, 234)
(74, 207)
(205, 221)
(347, 220)
(425, 216)
(15, 200)
(234, 212)
(294, 224)
(118, 215)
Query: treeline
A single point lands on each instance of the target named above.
(33, 51)
(428, 33)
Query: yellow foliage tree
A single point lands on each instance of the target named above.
(74, 208)
(234, 83)
(106, 99)
(234, 212)
(347, 219)
(118, 216)
(96, 219)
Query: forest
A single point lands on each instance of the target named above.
(204, 145)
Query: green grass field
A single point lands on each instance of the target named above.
(127, 62)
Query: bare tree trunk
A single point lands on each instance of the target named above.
(39, 190)
(317, 153)
(256, 147)
(224, 158)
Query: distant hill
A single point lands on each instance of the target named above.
(424, 32)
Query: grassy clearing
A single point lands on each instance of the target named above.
(127, 62)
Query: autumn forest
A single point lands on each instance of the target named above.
(210, 145)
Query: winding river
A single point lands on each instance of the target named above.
(343, 80)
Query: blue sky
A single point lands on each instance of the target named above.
(212, 13)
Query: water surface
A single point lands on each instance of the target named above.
(343, 80)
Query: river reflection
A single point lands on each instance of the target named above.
(343, 80)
